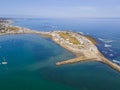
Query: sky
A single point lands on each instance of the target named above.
(61, 8)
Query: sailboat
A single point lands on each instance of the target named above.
(4, 62)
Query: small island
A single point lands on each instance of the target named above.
(84, 47)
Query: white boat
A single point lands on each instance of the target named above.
(4, 62)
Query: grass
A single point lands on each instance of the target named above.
(92, 40)
(14, 28)
(69, 37)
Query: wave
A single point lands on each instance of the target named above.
(107, 45)
(105, 40)
(111, 55)
(81, 33)
(105, 52)
(116, 61)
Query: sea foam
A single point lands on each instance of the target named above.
(116, 61)
(107, 45)
(105, 40)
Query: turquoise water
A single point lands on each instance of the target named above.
(31, 58)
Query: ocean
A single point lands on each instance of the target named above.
(31, 58)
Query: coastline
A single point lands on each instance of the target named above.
(89, 53)
(81, 58)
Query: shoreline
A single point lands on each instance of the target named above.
(89, 53)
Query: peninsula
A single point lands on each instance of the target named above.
(82, 46)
